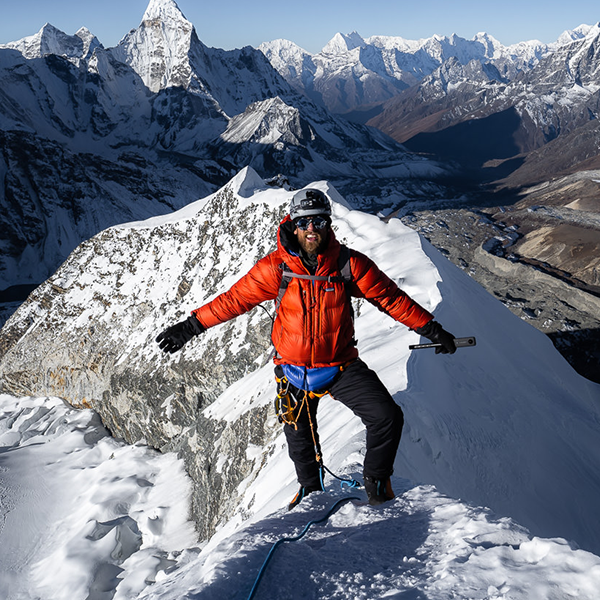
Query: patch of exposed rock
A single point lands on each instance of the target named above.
(95, 320)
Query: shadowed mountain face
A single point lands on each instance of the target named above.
(473, 143)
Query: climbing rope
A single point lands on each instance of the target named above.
(295, 539)
(351, 483)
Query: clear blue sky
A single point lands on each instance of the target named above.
(309, 23)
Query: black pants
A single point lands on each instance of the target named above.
(361, 390)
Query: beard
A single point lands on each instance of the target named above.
(312, 242)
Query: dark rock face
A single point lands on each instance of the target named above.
(87, 335)
(52, 199)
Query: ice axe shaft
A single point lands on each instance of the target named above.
(465, 342)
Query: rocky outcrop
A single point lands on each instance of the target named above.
(87, 335)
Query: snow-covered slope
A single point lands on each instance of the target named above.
(469, 416)
(79, 509)
(507, 425)
(84, 515)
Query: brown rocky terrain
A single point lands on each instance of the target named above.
(540, 255)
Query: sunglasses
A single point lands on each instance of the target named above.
(318, 222)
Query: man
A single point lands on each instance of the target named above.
(313, 336)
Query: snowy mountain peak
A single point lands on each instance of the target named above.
(163, 10)
(342, 43)
(593, 32)
(270, 121)
(482, 35)
(572, 35)
(281, 47)
(50, 40)
(246, 183)
(90, 41)
(486, 39)
(158, 50)
(492, 47)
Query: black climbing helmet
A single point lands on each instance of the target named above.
(309, 202)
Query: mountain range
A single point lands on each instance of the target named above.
(352, 73)
(93, 136)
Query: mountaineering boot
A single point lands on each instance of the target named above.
(304, 491)
(378, 490)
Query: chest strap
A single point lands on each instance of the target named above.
(345, 275)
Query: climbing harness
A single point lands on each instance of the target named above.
(311, 379)
(288, 408)
(295, 539)
(291, 400)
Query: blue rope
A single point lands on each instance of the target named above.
(295, 539)
(351, 483)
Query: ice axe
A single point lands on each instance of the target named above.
(465, 342)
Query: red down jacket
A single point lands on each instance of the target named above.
(313, 327)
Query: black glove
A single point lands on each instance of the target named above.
(176, 336)
(434, 332)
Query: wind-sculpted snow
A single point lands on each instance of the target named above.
(81, 513)
(85, 516)
(421, 545)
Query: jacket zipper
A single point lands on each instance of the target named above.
(313, 319)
